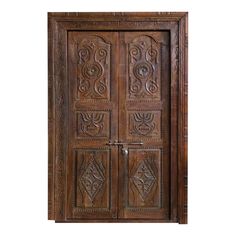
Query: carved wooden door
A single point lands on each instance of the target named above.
(144, 117)
(117, 117)
(118, 125)
(93, 121)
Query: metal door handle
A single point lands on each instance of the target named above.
(124, 145)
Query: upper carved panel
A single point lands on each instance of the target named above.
(144, 68)
(93, 71)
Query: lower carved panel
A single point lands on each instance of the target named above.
(144, 178)
(92, 177)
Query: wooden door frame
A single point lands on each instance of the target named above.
(58, 26)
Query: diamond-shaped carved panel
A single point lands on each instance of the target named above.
(92, 179)
(144, 179)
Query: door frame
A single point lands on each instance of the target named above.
(58, 26)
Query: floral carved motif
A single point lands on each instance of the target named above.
(92, 124)
(144, 124)
(144, 68)
(93, 68)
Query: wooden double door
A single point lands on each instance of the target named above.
(119, 161)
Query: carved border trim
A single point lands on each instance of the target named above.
(182, 120)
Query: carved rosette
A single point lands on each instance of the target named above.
(144, 68)
(93, 70)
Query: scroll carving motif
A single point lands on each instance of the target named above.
(93, 124)
(144, 68)
(93, 71)
(144, 124)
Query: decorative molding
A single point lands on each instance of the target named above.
(51, 125)
(182, 116)
(59, 74)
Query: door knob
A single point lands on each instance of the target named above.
(125, 150)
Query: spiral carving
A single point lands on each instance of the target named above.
(93, 68)
(144, 68)
(83, 54)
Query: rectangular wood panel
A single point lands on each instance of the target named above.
(144, 111)
(92, 166)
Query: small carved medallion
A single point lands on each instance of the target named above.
(144, 179)
(92, 71)
(143, 70)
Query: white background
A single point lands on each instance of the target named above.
(23, 118)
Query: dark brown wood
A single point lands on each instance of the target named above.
(144, 84)
(117, 77)
(93, 121)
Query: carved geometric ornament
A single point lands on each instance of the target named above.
(92, 179)
(144, 179)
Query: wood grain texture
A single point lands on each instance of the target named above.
(183, 116)
(145, 76)
(79, 117)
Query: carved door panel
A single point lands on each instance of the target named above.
(144, 117)
(92, 166)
